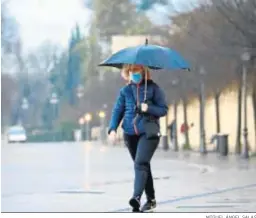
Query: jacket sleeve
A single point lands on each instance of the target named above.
(159, 107)
(117, 112)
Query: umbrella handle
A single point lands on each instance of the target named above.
(146, 85)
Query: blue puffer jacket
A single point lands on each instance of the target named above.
(125, 107)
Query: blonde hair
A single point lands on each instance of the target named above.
(125, 72)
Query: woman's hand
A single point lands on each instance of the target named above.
(112, 136)
(144, 107)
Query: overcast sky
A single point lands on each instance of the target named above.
(42, 20)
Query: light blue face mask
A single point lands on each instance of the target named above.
(136, 77)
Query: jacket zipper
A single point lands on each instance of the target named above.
(137, 104)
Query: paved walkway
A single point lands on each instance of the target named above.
(90, 177)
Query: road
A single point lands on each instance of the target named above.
(91, 177)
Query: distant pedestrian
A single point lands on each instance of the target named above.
(183, 130)
(172, 128)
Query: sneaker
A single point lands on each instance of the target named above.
(149, 205)
(136, 210)
(135, 204)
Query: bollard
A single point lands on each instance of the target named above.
(222, 144)
(165, 142)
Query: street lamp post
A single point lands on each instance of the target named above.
(88, 118)
(79, 94)
(24, 106)
(80, 91)
(164, 133)
(175, 137)
(102, 116)
(81, 123)
(202, 112)
(54, 101)
(245, 57)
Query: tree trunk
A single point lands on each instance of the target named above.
(254, 103)
(200, 117)
(175, 138)
(239, 114)
(202, 120)
(186, 146)
(217, 111)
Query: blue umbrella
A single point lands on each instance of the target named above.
(153, 56)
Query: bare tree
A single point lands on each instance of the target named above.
(9, 92)
(9, 30)
(242, 17)
(239, 112)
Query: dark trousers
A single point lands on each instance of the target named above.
(141, 151)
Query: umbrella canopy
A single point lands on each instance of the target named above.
(152, 56)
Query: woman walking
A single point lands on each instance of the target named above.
(132, 107)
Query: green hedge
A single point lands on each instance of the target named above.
(63, 132)
(51, 137)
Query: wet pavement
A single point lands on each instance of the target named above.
(91, 177)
